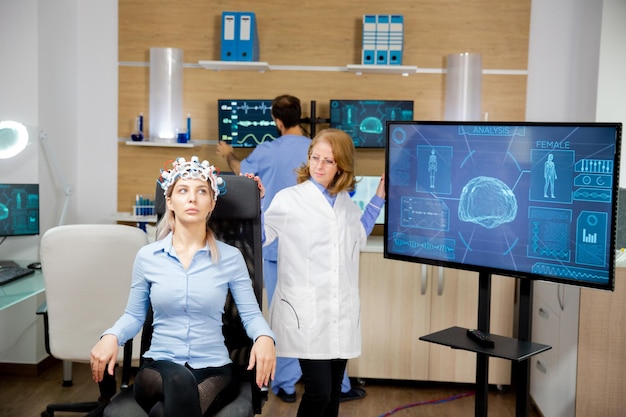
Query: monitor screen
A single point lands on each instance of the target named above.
(245, 123)
(365, 189)
(365, 120)
(19, 209)
(528, 200)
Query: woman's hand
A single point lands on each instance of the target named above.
(258, 182)
(380, 191)
(263, 355)
(104, 357)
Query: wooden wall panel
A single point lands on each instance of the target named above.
(320, 33)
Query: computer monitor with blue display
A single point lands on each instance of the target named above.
(19, 209)
(528, 200)
(365, 120)
(245, 123)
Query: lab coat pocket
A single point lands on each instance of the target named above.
(296, 308)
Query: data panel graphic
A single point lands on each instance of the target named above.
(246, 123)
(366, 120)
(19, 209)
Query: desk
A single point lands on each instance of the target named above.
(21, 289)
(22, 342)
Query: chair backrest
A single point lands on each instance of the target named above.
(87, 270)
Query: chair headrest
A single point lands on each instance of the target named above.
(241, 200)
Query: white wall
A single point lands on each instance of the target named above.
(612, 71)
(59, 75)
(19, 102)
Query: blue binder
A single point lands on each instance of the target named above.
(248, 41)
(396, 39)
(368, 55)
(382, 39)
(230, 33)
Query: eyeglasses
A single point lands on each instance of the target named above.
(315, 159)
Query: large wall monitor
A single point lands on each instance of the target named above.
(365, 120)
(528, 200)
(19, 209)
(245, 123)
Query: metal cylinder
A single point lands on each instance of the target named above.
(166, 94)
(463, 87)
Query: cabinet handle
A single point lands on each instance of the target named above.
(440, 281)
(424, 280)
(541, 367)
(544, 313)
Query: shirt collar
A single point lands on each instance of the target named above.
(165, 245)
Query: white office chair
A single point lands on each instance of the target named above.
(87, 272)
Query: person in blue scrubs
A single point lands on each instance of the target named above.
(276, 163)
(185, 276)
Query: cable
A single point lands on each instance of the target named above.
(438, 401)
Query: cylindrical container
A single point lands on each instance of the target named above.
(463, 87)
(166, 93)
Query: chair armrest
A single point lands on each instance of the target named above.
(259, 397)
(127, 364)
(43, 311)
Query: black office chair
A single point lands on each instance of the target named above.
(236, 220)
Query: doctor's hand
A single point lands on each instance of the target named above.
(258, 182)
(263, 355)
(103, 357)
(380, 190)
(223, 149)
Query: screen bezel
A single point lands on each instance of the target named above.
(220, 125)
(34, 190)
(609, 285)
(332, 124)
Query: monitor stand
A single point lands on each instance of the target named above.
(517, 350)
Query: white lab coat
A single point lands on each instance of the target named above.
(315, 310)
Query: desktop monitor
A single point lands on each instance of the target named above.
(364, 191)
(245, 123)
(365, 120)
(528, 200)
(19, 209)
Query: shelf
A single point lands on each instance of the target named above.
(235, 65)
(191, 144)
(505, 347)
(129, 217)
(264, 66)
(382, 69)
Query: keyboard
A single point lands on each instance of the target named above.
(11, 273)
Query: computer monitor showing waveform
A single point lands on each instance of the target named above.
(366, 120)
(245, 123)
(528, 200)
(19, 209)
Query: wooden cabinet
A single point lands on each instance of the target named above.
(601, 379)
(401, 301)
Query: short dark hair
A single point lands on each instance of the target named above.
(287, 109)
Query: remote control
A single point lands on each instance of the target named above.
(479, 337)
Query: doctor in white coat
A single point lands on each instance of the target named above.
(315, 313)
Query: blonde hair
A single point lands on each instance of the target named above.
(343, 153)
(168, 224)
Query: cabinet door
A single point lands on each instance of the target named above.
(455, 303)
(395, 312)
